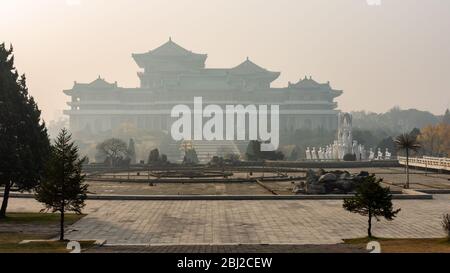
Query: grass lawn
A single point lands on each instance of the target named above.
(34, 226)
(426, 245)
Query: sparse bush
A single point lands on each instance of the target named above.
(371, 200)
(216, 161)
(350, 157)
(232, 158)
(155, 158)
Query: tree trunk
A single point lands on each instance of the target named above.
(5, 199)
(61, 226)
(407, 169)
(369, 229)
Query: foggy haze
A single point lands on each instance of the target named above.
(381, 56)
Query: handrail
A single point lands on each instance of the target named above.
(427, 161)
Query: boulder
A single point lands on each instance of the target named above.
(364, 174)
(315, 189)
(328, 177)
(322, 182)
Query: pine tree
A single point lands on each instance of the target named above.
(294, 154)
(63, 187)
(153, 157)
(24, 143)
(132, 151)
(190, 157)
(371, 200)
(253, 150)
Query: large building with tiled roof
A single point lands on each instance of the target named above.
(172, 75)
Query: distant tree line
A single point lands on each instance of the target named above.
(394, 122)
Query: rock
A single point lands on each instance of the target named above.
(347, 186)
(328, 177)
(322, 182)
(299, 187)
(321, 172)
(311, 177)
(363, 174)
(315, 189)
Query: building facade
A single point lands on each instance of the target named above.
(171, 75)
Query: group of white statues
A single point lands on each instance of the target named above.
(335, 152)
(345, 145)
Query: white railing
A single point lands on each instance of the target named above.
(442, 163)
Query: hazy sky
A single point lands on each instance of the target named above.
(397, 53)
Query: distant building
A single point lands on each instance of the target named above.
(172, 75)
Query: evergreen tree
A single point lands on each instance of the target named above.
(63, 187)
(253, 150)
(190, 158)
(371, 200)
(164, 159)
(153, 157)
(294, 154)
(24, 143)
(132, 151)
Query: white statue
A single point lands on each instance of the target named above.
(308, 154)
(371, 154)
(355, 149)
(314, 153)
(387, 154)
(380, 154)
(321, 154)
(342, 150)
(345, 136)
(362, 152)
(328, 153)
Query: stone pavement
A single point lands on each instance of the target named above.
(337, 248)
(244, 222)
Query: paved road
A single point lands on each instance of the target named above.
(244, 222)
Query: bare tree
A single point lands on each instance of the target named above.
(114, 150)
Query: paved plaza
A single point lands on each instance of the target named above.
(393, 177)
(244, 222)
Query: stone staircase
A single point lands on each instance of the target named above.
(206, 150)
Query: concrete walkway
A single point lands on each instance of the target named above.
(244, 222)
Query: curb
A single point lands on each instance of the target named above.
(406, 195)
(96, 243)
(435, 191)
